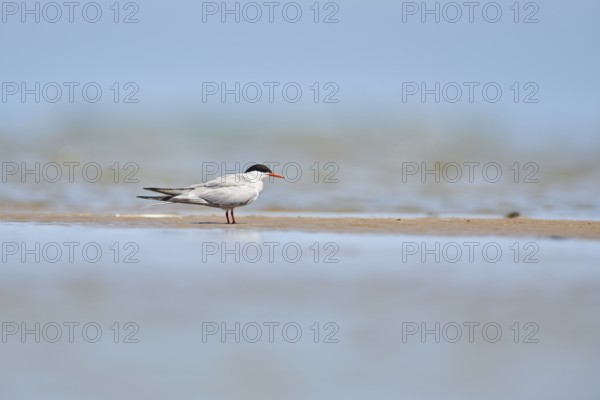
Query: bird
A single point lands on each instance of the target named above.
(226, 192)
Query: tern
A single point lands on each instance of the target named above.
(226, 192)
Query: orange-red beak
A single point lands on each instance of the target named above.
(276, 175)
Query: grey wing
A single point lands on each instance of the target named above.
(228, 196)
(222, 181)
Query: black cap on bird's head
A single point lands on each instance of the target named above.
(259, 168)
(264, 169)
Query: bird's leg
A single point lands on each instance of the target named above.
(232, 217)
(227, 215)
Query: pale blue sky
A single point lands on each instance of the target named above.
(369, 53)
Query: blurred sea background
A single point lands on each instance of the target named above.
(356, 156)
(176, 131)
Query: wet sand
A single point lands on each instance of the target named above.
(515, 227)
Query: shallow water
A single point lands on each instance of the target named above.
(362, 298)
